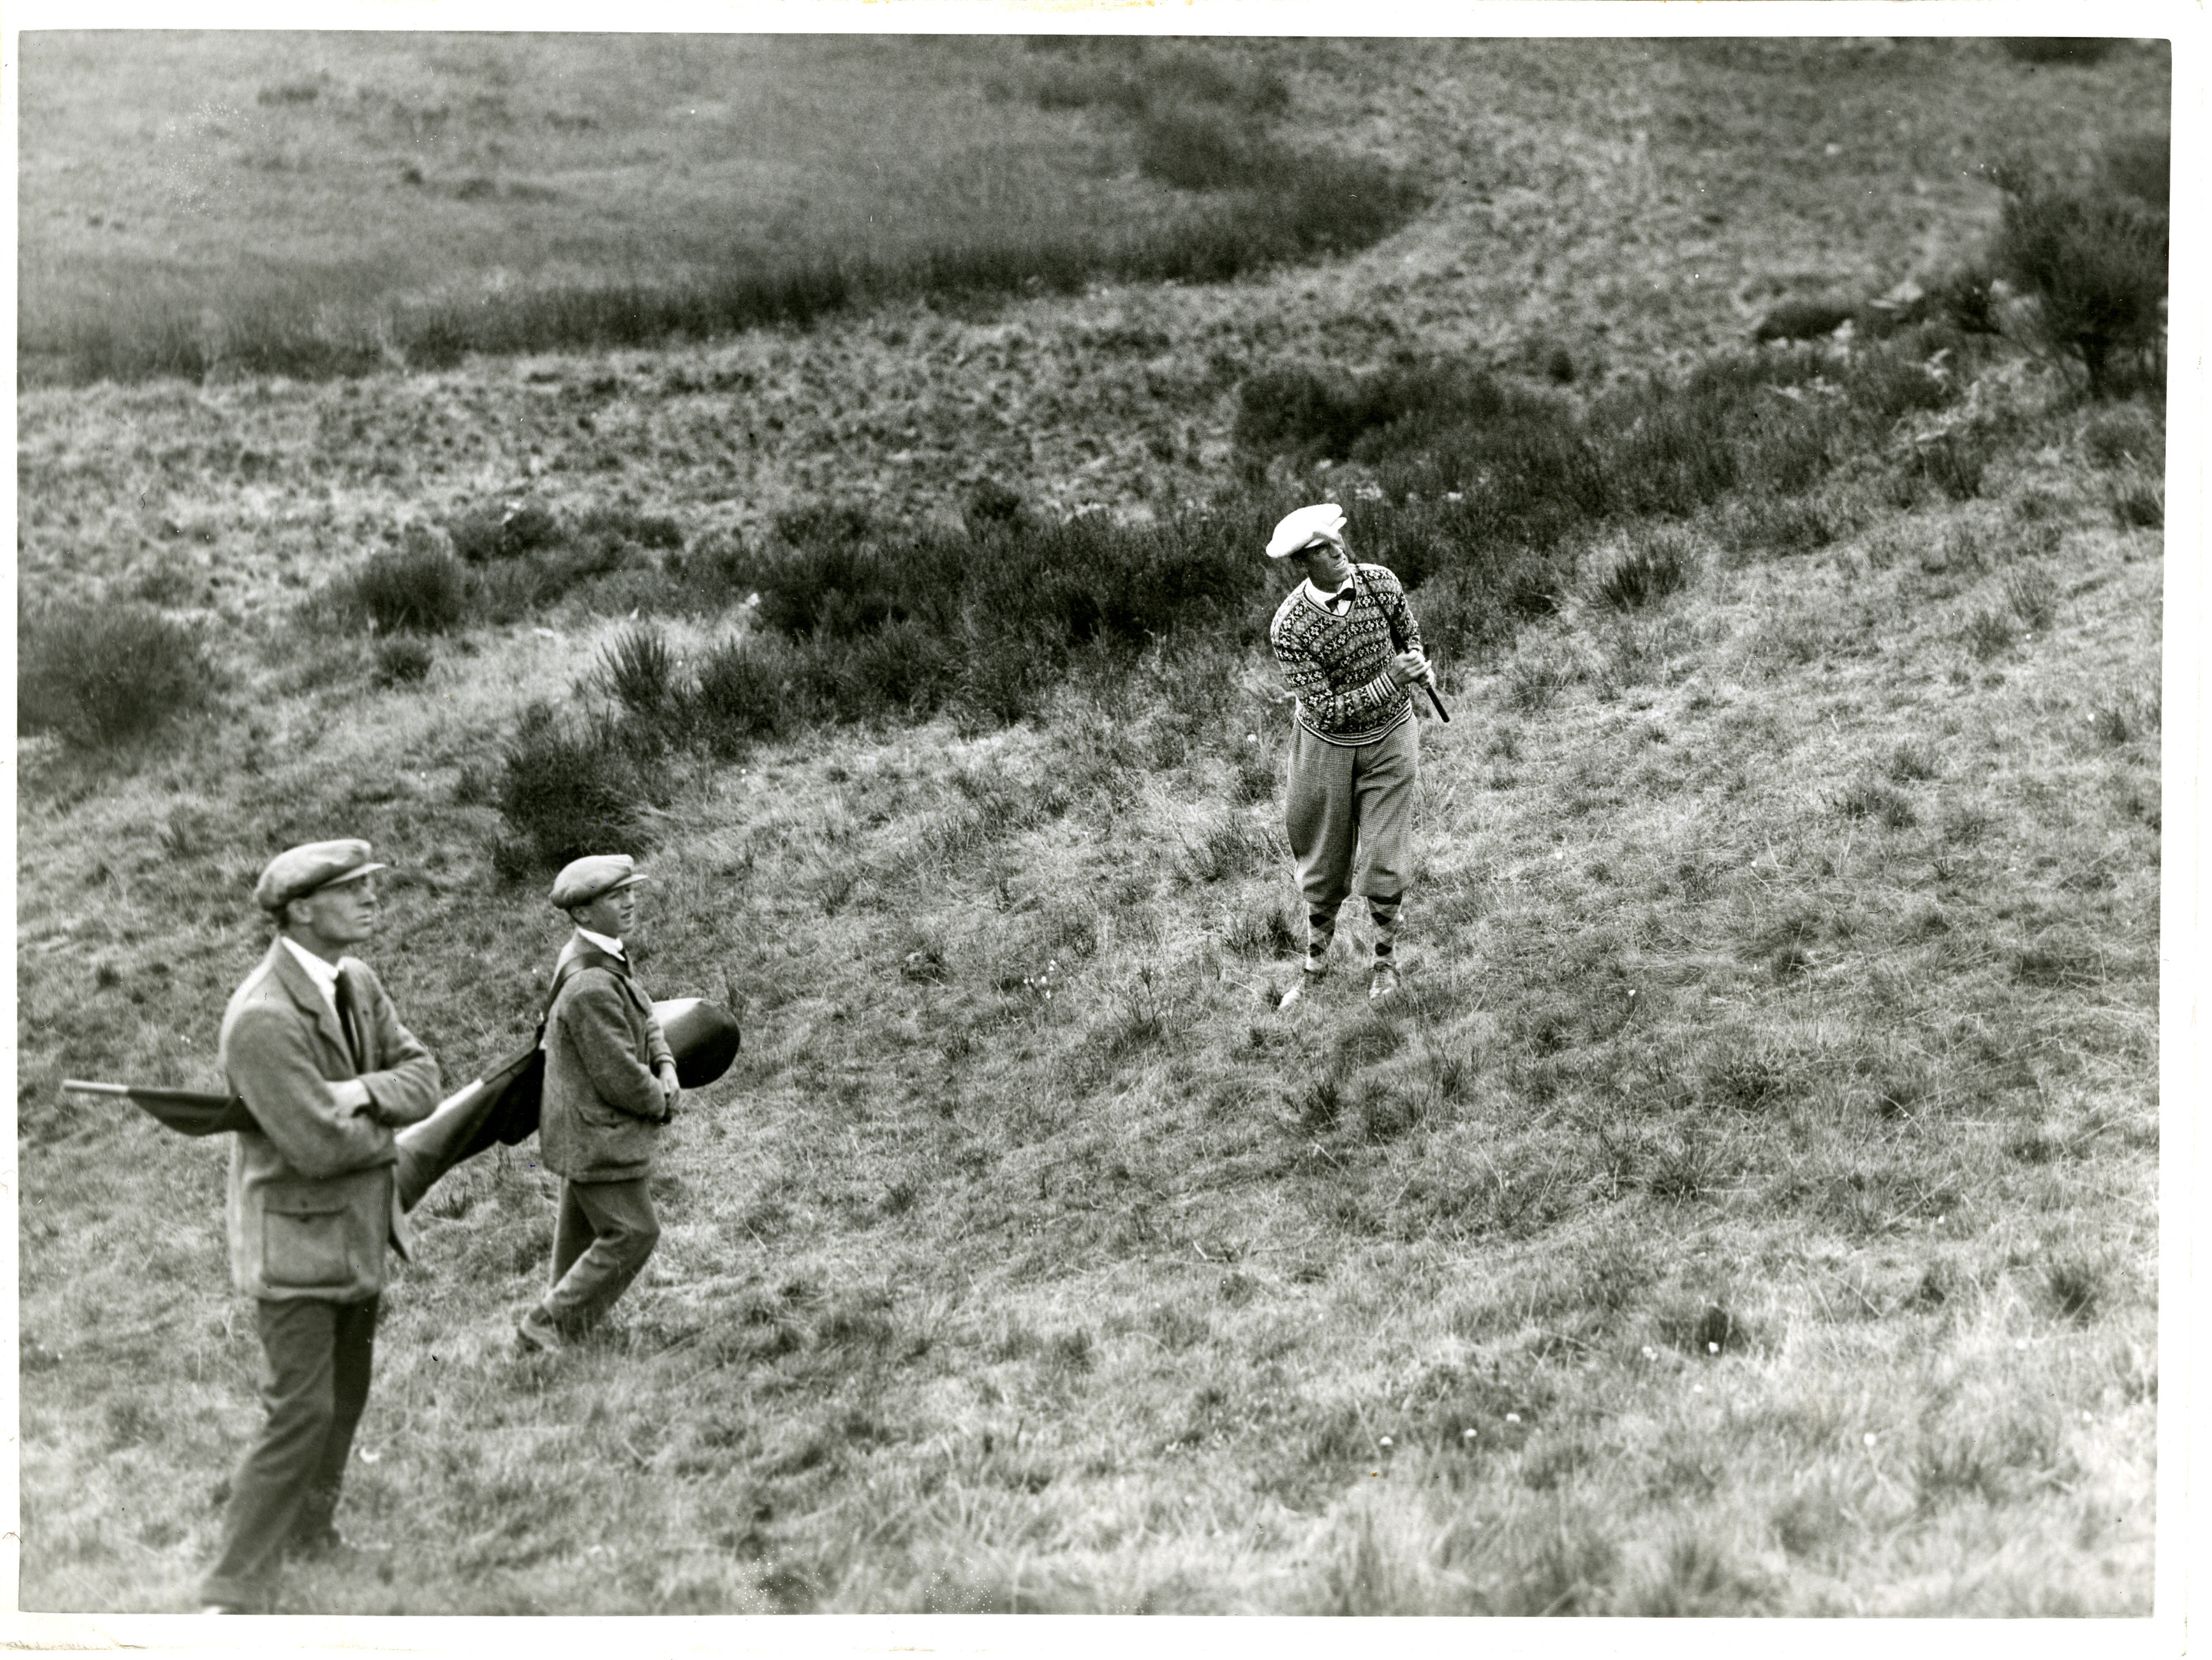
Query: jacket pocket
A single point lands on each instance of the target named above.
(306, 1244)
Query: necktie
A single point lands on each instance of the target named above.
(349, 1021)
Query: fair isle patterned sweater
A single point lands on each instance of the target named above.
(1338, 667)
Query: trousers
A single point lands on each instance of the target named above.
(286, 1489)
(605, 1234)
(1347, 799)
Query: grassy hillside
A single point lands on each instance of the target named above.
(1747, 1206)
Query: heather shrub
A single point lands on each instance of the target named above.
(416, 588)
(2095, 265)
(1780, 525)
(990, 505)
(1295, 409)
(1883, 385)
(1989, 634)
(566, 791)
(99, 676)
(2041, 50)
(1658, 566)
(2138, 501)
(502, 531)
(1805, 317)
(638, 671)
(739, 695)
(510, 590)
(1194, 149)
(169, 583)
(1954, 462)
(1132, 75)
(834, 587)
(402, 660)
(722, 564)
(824, 523)
(2126, 434)
(628, 526)
(2141, 166)
(906, 667)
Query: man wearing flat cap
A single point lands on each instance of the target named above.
(313, 1046)
(609, 1086)
(1350, 652)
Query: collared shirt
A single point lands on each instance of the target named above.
(612, 948)
(1338, 604)
(324, 975)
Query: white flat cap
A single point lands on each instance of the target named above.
(1324, 520)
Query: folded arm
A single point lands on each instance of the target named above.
(272, 1062)
(404, 1089)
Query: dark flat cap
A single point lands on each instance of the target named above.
(585, 879)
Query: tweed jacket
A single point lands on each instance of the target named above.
(312, 1198)
(603, 1108)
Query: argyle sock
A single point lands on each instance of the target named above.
(1384, 913)
(1321, 932)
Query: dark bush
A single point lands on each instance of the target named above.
(1194, 149)
(1301, 411)
(2125, 435)
(2040, 50)
(627, 524)
(566, 792)
(1965, 296)
(740, 695)
(2096, 267)
(2141, 166)
(824, 523)
(99, 676)
(639, 671)
(2138, 501)
(834, 588)
(721, 562)
(1667, 454)
(1650, 572)
(1780, 525)
(169, 583)
(1285, 410)
(503, 532)
(1884, 385)
(1989, 634)
(418, 587)
(1954, 462)
(402, 660)
(1876, 800)
(906, 666)
(991, 505)
(1805, 317)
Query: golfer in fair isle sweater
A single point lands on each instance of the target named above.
(1354, 748)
